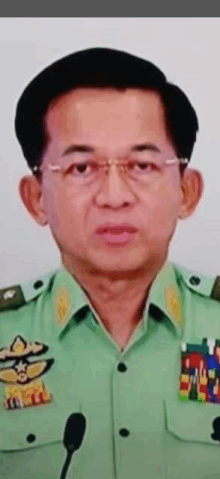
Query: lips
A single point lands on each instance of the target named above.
(116, 229)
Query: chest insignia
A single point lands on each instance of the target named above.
(200, 372)
(23, 386)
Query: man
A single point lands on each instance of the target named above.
(108, 141)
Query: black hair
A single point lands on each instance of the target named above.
(100, 67)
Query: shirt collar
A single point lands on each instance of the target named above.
(68, 298)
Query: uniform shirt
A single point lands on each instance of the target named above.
(56, 358)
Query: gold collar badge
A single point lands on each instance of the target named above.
(62, 305)
(174, 304)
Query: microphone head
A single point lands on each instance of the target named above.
(74, 431)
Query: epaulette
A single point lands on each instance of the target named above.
(203, 284)
(20, 294)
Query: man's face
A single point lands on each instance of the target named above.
(111, 123)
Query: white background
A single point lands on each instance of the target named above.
(186, 49)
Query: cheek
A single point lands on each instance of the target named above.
(167, 200)
(63, 213)
(167, 207)
(161, 213)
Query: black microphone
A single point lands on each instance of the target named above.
(73, 436)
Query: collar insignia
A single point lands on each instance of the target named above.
(62, 305)
(173, 303)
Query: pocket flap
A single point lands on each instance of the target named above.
(192, 421)
(35, 426)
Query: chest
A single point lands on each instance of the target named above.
(134, 418)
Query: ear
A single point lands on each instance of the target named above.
(31, 195)
(192, 186)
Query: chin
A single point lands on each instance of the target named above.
(118, 266)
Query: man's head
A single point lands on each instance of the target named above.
(105, 104)
(100, 68)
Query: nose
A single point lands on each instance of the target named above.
(114, 191)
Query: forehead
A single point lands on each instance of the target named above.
(102, 114)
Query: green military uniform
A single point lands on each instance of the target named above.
(56, 358)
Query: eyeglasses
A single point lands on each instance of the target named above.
(82, 173)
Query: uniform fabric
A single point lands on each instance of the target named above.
(136, 426)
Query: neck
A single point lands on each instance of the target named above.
(118, 299)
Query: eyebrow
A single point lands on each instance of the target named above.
(89, 149)
(78, 149)
(145, 147)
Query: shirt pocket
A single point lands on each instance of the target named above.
(192, 421)
(36, 421)
(31, 442)
(31, 427)
(190, 450)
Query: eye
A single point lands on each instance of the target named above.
(142, 166)
(79, 169)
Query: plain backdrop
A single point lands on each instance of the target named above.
(186, 49)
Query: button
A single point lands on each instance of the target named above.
(124, 432)
(122, 367)
(195, 280)
(38, 284)
(31, 438)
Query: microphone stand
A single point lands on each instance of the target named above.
(67, 463)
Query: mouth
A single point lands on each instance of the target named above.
(116, 234)
(116, 229)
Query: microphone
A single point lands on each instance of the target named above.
(73, 437)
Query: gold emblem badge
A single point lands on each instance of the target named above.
(23, 386)
(173, 303)
(63, 305)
